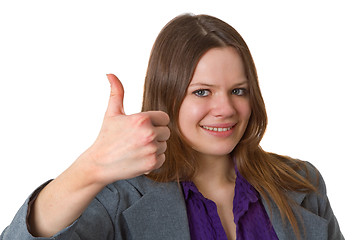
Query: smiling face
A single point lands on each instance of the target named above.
(216, 109)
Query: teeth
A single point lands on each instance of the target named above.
(216, 129)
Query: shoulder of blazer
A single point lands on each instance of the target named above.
(312, 211)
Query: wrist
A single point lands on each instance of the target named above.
(88, 172)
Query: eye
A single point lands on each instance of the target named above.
(201, 92)
(239, 91)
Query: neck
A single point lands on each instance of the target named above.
(215, 171)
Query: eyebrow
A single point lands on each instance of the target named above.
(212, 85)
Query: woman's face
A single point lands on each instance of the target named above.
(216, 108)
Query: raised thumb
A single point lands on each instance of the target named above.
(115, 105)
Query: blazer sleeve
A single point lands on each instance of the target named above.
(95, 223)
(319, 203)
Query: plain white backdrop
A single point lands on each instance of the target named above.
(54, 91)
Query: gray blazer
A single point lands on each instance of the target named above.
(142, 209)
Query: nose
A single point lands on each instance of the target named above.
(223, 106)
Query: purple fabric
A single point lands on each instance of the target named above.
(252, 221)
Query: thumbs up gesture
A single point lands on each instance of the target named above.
(127, 145)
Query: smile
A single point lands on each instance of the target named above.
(217, 129)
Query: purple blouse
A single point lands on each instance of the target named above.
(252, 221)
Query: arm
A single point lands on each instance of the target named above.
(319, 204)
(127, 146)
(327, 213)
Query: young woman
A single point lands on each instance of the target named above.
(189, 165)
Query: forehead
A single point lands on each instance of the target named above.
(218, 65)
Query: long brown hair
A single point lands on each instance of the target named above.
(175, 54)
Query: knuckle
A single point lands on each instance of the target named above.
(152, 148)
(150, 135)
(147, 138)
(151, 162)
(141, 119)
(144, 129)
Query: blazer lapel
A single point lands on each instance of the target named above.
(159, 214)
(316, 226)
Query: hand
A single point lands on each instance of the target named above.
(127, 145)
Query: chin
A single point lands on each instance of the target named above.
(216, 152)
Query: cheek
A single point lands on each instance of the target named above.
(247, 111)
(244, 109)
(191, 113)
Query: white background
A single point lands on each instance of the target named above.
(54, 92)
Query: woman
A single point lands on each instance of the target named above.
(197, 142)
